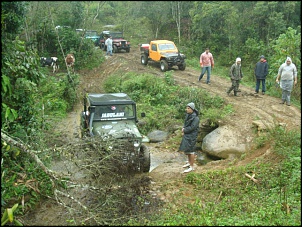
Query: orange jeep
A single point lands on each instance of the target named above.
(164, 52)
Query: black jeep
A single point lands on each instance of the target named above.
(112, 117)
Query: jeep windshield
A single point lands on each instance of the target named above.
(166, 46)
(113, 112)
(116, 35)
(91, 33)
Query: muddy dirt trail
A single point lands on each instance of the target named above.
(247, 108)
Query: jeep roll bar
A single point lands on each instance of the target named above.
(92, 112)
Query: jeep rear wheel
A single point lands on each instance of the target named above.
(163, 65)
(145, 161)
(144, 59)
(182, 67)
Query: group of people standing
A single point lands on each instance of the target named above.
(287, 78)
(287, 74)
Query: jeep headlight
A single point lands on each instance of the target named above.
(136, 143)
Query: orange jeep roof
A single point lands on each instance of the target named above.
(162, 41)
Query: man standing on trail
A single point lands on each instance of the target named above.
(261, 71)
(108, 43)
(236, 75)
(189, 135)
(206, 63)
(288, 74)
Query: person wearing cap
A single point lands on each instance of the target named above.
(288, 73)
(189, 135)
(108, 43)
(206, 62)
(261, 71)
(236, 75)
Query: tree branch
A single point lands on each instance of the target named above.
(25, 149)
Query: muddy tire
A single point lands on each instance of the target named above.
(144, 59)
(164, 65)
(145, 160)
(115, 49)
(182, 67)
(103, 47)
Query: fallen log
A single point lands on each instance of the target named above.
(25, 149)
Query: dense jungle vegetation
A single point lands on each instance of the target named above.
(31, 99)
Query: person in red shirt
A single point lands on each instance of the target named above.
(206, 63)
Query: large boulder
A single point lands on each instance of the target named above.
(225, 142)
(157, 136)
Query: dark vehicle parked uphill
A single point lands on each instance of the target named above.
(118, 41)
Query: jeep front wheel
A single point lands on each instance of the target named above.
(103, 47)
(182, 67)
(145, 161)
(115, 50)
(144, 59)
(163, 65)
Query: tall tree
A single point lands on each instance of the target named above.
(157, 14)
(176, 7)
(12, 17)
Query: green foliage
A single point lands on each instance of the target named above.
(253, 49)
(8, 217)
(21, 177)
(65, 97)
(260, 141)
(12, 17)
(20, 81)
(72, 15)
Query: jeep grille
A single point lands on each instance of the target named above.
(175, 60)
(123, 43)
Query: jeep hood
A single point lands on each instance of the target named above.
(118, 39)
(116, 129)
